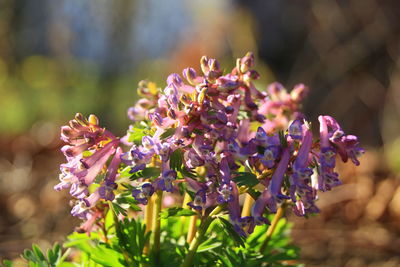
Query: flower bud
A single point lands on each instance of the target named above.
(299, 92)
(76, 125)
(204, 65)
(201, 95)
(67, 132)
(93, 119)
(186, 100)
(190, 75)
(171, 113)
(246, 62)
(81, 119)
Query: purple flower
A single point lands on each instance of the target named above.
(67, 176)
(269, 156)
(300, 179)
(106, 190)
(94, 163)
(156, 118)
(333, 141)
(272, 194)
(305, 205)
(137, 158)
(225, 170)
(239, 223)
(299, 92)
(163, 150)
(79, 190)
(174, 78)
(348, 147)
(205, 194)
(210, 68)
(191, 76)
(245, 63)
(225, 193)
(165, 183)
(227, 82)
(192, 159)
(327, 179)
(210, 118)
(81, 210)
(171, 91)
(265, 200)
(199, 200)
(296, 130)
(264, 140)
(85, 135)
(143, 193)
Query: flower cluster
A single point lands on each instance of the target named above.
(201, 132)
(88, 149)
(212, 116)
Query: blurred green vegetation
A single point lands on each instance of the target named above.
(44, 88)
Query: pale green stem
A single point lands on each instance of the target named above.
(157, 225)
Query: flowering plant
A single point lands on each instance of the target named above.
(209, 142)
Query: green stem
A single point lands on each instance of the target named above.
(272, 228)
(248, 202)
(157, 225)
(188, 261)
(192, 228)
(148, 218)
(186, 199)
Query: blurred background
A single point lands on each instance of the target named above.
(62, 57)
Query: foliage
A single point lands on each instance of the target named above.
(126, 240)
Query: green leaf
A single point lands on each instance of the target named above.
(54, 255)
(80, 241)
(247, 179)
(130, 201)
(136, 133)
(206, 246)
(188, 173)
(125, 172)
(176, 211)
(230, 231)
(151, 172)
(127, 186)
(147, 173)
(191, 194)
(67, 264)
(38, 252)
(118, 209)
(167, 133)
(51, 257)
(107, 256)
(29, 255)
(282, 139)
(176, 159)
(225, 261)
(254, 194)
(7, 263)
(180, 251)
